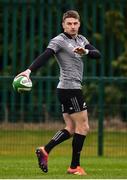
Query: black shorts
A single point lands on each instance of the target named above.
(71, 100)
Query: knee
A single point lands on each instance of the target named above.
(82, 127)
(70, 129)
(86, 128)
(70, 126)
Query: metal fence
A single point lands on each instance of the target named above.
(27, 27)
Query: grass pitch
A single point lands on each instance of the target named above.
(18, 160)
(26, 167)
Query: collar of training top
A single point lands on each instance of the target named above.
(69, 36)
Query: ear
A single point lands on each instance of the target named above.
(79, 23)
(63, 25)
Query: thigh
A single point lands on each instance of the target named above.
(81, 122)
(80, 116)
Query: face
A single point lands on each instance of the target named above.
(71, 26)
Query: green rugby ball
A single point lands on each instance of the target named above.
(22, 84)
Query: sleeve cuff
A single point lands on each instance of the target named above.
(87, 51)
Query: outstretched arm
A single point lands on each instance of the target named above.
(38, 62)
(41, 60)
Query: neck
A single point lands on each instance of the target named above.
(74, 36)
(71, 36)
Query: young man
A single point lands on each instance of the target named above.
(68, 48)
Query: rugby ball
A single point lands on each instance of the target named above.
(22, 84)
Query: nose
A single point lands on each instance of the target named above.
(72, 26)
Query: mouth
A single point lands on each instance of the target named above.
(73, 31)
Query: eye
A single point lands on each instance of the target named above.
(68, 23)
(75, 23)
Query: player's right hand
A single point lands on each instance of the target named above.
(81, 50)
(25, 73)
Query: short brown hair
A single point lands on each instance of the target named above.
(71, 14)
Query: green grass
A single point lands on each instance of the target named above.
(26, 167)
(18, 160)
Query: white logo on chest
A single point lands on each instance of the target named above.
(70, 45)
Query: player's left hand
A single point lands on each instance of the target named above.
(80, 50)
